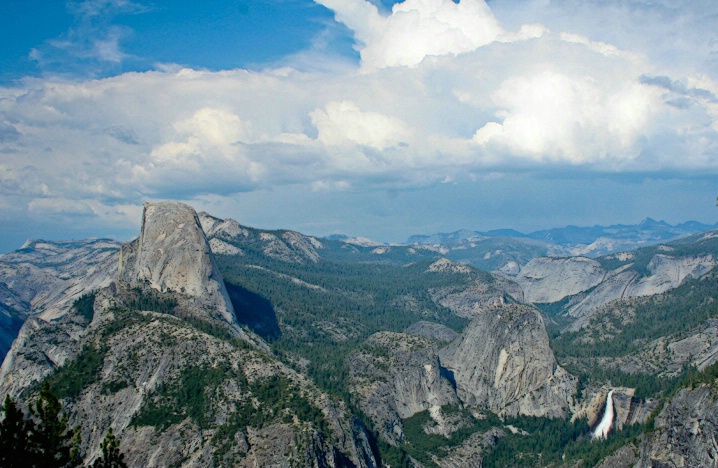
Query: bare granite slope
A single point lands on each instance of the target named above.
(591, 285)
(396, 375)
(44, 278)
(685, 431)
(288, 246)
(502, 361)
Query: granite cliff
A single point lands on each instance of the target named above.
(502, 361)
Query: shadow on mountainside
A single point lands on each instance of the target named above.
(254, 311)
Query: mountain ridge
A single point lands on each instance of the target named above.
(371, 354)
(647, 230)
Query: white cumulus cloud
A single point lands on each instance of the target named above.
(444, 93)
(557, 117)
(343, 123)
(416, 29)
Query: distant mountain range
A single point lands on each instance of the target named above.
(508, 250)
(646, 232)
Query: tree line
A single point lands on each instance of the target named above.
(43, 438)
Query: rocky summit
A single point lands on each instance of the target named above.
(172, 255)
(502, 361)
(207, 343)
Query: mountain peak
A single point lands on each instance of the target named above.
(172, 254)
(650, 223)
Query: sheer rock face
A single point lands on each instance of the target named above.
(172, 254)
(625, 457)
(475, 299)
(396, 375)
(665, 273)
(148, 358)
(685, 431)
(145, 358)
(502, 361)
(39, 349)
(628, 410)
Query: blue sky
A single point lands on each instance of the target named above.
(381, 119)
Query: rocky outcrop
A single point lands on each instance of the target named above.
(45, 278)
(227, 228)
(444, 265)
(147, 361)
(627, 409)
(590, 286)
(664, 273)
(625, 457)
(40, 349)
(228, 237)
(469, 300)
(685, 431)
(502, 361)
(548, 279)
(667, 272)
(150, 363)
(670, 355)
(611, 289)
(396, 375)
(172, 254)
(470, 453)
(433, 331)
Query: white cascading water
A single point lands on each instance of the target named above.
(601, 431)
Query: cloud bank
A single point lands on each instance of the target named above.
(443, 93)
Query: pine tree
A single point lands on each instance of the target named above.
(15, 430)
(111, 455)
(56, 444)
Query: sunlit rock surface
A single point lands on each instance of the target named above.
(502, 361)
(172, 254)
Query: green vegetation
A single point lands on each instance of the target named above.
(150, 300)
(111, 456)
(15, 430)
(76, 374)
(44, 440)
(421, 446)
(189, 396)
(687, 247)
(553, 441)
(85, 306)
(554, 309)
(669, 314)
(192, 394)
(279, 400)
(124, 318)
(328, 308)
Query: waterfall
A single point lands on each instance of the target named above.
(601, 431)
